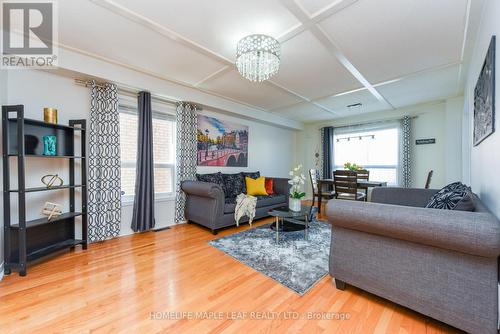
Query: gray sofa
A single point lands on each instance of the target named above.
(207, 205)
(441, 263)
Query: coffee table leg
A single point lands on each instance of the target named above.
(277, 229)
(307, 226)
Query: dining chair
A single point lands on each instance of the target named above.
(314, 176)
(429, 179)
(346, 185)
(363, 174)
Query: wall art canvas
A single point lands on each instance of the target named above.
(221, 143)
(484, 98)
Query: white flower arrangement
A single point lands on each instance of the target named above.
(297, 179)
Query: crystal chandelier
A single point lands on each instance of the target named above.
(258, 57)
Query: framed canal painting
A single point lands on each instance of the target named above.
(484, 98)
(221, 143)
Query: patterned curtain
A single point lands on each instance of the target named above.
(405, 156)
(186, 117)
(104, 202)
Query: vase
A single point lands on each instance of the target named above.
(50, 115)
(49, 145)
(294, 204)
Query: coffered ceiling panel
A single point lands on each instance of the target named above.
(422, 88)
(310, 70)
(339, 103)
(386, 39)
(216, 25)
(264, 95)
(94, 29)
(313, 6)
(305, 112)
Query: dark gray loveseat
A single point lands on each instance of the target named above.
(441, 263)
(208, 205)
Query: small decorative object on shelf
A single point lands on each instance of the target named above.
(50, 115)
(30, 144)
(49, 145)
(49, 180)
(297, 179)
(52, 210)
(352, 167)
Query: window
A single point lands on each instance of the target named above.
(376, 148)
(163, 152)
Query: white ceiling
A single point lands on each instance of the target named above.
(384, 54)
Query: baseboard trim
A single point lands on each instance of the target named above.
(161, 229)
(1, 271)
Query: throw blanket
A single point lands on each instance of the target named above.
(245, 206)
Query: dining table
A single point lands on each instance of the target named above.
(361, 184)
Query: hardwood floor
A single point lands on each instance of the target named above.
(129, 283)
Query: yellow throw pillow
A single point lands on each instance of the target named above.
(256, 187)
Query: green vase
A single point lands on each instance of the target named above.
(49, 145)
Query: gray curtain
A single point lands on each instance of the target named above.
(143, 218)
(186, 118)
(104, 188)
(327, 151)
(405, 156)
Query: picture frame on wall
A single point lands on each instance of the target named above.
(484, 97)
(221, 143)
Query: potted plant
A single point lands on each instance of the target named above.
(297, 179)
(352, 167)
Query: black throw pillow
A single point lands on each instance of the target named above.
(455, 196)
(211, 178)
(233, 184)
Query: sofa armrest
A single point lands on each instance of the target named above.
(402, 196)
(281, 186)
(467, 232)
(203, 189)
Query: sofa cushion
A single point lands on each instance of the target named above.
(230, 203)
(253, 175)
(229, 207)
(233, 184)
(459, 199)
(270, 200)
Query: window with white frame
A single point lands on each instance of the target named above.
(163, 153)
(376, 148)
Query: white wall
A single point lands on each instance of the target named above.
(435, 120)
(270, 147)
(481, 163)
(3, 100)
(453, 130)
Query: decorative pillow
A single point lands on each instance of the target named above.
(269, 186)
(212, 178)
(452, 187)
(233, 184)
(256, 187)
(253, 175)
(460, 199)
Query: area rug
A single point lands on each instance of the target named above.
(294, 262)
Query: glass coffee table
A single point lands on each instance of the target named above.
(287, 220)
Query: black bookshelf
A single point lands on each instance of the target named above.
(26, 241)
